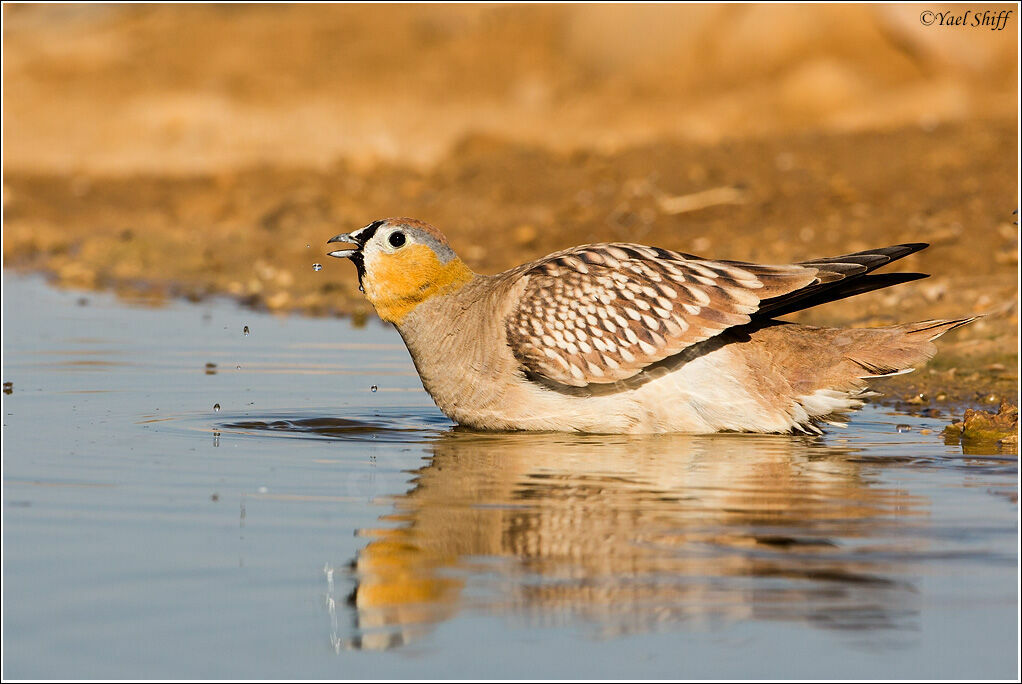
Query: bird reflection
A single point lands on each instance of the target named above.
(628, 534)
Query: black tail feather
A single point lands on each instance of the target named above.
(849, 288)
(872, 258)
(844, 276)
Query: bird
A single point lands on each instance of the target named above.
(625, 338)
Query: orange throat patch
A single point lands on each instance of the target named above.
(401, 281)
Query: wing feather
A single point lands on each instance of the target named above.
(602, 313)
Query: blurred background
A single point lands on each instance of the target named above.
(204, 88)
(193, 150)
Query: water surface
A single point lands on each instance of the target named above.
(312, 527)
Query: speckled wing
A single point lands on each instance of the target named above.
(602, 313)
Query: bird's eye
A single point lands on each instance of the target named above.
(396, 239)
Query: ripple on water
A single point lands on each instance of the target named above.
(389, 427)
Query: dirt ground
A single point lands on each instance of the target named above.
(202, 150)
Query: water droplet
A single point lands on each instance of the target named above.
(216, 408)
(216, 438)
(238, 367)
(902, 427)
(373, 388)
(245, 331)
(317, 267)
(307, 245)
(361, 289)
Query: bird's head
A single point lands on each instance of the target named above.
(401, 263)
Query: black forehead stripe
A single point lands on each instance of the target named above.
(367, 233)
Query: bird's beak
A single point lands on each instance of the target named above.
(345, 253)
(359, 238)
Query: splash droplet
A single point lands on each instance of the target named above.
(216, 408)
(317, 267)
(307, 245)
(245, 331)
(238, 367)
(373, 388)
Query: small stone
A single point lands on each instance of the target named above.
(701, 244)
(278, 300)
(953, 431)
(525, 235)
(983, 426)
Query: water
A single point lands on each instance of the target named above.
(311, 529)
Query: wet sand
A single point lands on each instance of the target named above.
(256, 234)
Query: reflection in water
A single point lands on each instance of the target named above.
(636, 533)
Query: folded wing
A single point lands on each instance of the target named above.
(602, 313)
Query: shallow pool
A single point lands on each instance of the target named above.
(184, 500)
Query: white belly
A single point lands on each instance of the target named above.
(711, 393)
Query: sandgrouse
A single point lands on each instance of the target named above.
(624, 338)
